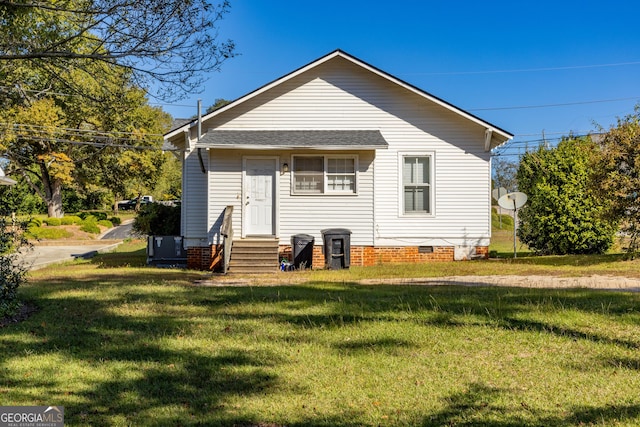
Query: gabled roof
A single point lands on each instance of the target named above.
(493, 131)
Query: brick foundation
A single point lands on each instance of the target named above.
(199, 258)
(209, 257)
(366, 256)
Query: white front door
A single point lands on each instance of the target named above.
(259, 196)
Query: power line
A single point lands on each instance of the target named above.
(99, 139)
(44, 91)
(93, 143)
(522, 107)
(75, 130)
(527, 70)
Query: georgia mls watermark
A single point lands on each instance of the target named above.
(31, 416)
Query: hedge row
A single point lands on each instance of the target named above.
(88, 221)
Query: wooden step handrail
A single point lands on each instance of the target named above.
(226, 230)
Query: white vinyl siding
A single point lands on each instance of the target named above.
(339, 95)
(194, 212)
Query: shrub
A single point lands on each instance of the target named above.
(99, 215)
(70, 220)
(105, 223)
(90, 227)
(44, 233)
(13, 271)
(158, 220)
(52, 222)
(35, 222)
(115, 220)
(89, 219)
(563, 214)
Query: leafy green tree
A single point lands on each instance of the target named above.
(217, 103)
(618, 176)
(504, 173)
(72, 110)
(20, 199)
(563, 215)
(55, 143)
(131, 169)
(168, 186)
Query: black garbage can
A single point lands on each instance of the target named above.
(337, 248)
(302, 251)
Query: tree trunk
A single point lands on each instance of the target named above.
(54, 201)
(52, 193)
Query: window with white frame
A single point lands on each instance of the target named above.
(416, 184)
(324, 174)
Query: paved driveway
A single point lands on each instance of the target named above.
(42, 256)
(51, 253)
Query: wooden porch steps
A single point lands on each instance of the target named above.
(251, 256)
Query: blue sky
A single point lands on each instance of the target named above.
(484, 57)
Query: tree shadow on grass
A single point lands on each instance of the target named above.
(89, 332)
(479, 405)
(79, 321)
(566, 332)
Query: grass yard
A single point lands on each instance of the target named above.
(119, 344)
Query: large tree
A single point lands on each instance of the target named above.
(618, 176)
(563, 215)
(54, 141)
(504, 173)
(164, 45)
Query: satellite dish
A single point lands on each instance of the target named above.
(512, 201)
(496, 193)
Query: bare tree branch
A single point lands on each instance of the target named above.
(166, 45)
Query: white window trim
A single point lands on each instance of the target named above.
(432, 184)
(325, 189)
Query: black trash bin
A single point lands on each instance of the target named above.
(337, 248)
(302, 251)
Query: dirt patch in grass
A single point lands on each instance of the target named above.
(25, 311)
(530, 281)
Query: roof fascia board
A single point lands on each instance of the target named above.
(293, 147)
(258, 91)
(362, 64)
(426, 95)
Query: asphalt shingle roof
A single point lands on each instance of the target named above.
(294, 138)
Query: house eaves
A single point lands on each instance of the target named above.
(294, 139)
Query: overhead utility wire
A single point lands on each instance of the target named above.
(6, 88)
(90, 131)
(527, 70)
(116, 139)
(95, 144)
(522, 107)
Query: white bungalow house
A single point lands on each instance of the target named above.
(341, 144)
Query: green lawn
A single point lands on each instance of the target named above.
(128, 345)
